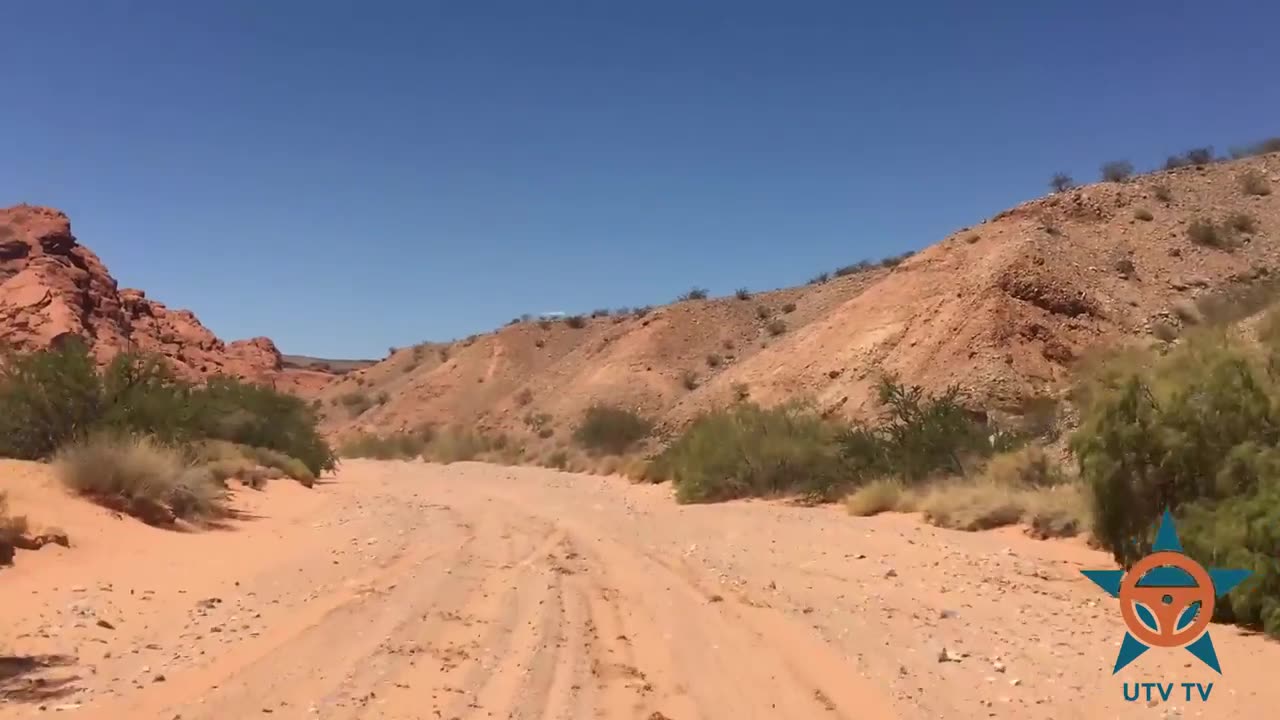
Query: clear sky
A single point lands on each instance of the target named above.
(347, 176)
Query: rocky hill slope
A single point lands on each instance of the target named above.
(1004, 310)
(51, 286)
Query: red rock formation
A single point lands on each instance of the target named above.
(51, 286)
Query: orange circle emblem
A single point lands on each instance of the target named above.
(1166, 604)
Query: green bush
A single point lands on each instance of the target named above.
(751, 451)
(611, 430)
(261, 417)
(920, 437)
(1178, 429)
(1194, 431)
(48, 399)
(56, 397)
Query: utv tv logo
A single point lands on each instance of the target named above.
(1167, 601)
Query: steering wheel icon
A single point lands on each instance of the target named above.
(1166, 605)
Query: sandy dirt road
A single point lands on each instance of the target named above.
(470, 591)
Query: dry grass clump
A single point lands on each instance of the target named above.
(1022, 486)
(138, 476)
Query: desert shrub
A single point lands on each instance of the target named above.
(819, 279)
(355, 402)
(55, 397)
(714, 360)
(1117, 171)
(763, 312)
(1173, 162)
(537, 421)
(577, 322)
(1269, 145)
(847, 270)
(742, 294)
(1061, 182)
(391, 446)
(1199, 156)
(696, 293)
(919, 437)
(138, 476)
(776, 327)
(1164, 331)
(979, 504)
(642, 311)
(1242, 222)
(558, 459)
(1162, 192)
(1205, 232)
(524, 397)
(382, 398)
(600, 312)
(1253, 182)
(290, 466)
(457, 444)
(1125, 266)
(1143, 214)
(611, 430)
(751, 451)
(1243, 531)
(1028, 466)
(789, 308)
(877, 496)
(689, 379)
(741, 391)
(47, 399)
(261, 417)
(1193, 425)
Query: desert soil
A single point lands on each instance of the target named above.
(403, 590)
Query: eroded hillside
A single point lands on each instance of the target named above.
(1002, 309)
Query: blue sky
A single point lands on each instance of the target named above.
(347, 176)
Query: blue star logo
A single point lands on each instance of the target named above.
(1167, 599)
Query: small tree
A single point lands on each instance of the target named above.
(1117, 171)
(1061, 182)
